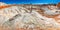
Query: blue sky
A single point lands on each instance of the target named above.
(30, 1)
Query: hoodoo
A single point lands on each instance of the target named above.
(58, 5)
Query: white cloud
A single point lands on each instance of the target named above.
(1, 4)
(40, 3)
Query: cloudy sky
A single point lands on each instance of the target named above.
(30, 1)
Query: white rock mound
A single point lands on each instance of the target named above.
(15, 17)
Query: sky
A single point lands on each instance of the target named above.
(30, 1)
